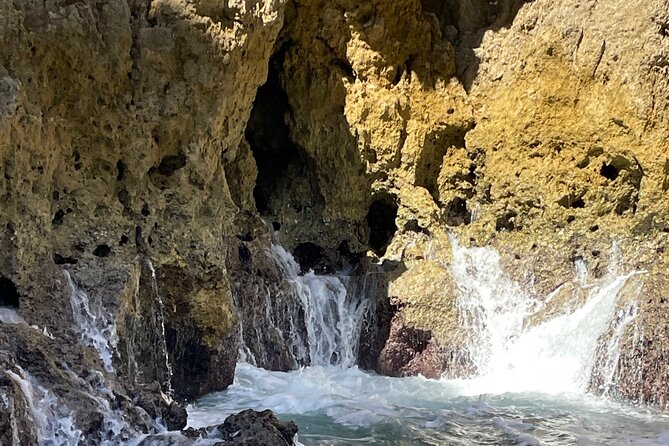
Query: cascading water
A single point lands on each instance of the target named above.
(324, 321)
(533, 368)
(332, 318)
(557, 355)
(97, 327)
(53, 423)
(161, 323)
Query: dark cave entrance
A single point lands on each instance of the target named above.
(381, 222)
(278, 158)
(9, 294)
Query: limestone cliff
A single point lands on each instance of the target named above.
(538, 128)
(153, 149)
(118, 120)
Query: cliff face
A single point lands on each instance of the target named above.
(537, 128)
(118, 121)
(152, 148)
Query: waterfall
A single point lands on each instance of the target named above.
(53, 423)
(558, 354)
(97, 328)
(317, 318)
(333, 319)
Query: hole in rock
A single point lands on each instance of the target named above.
(506, 222)
(609, 171)
(246, 237)
(571, 201)
(456, 212)
(9, 294)
(244, 253)
(120, 170)
(413, 226)
(171, 164)
(285, 170)
(102, 251)
(60, 260)
(381, 222)
(345, 66)
(124, 240)
(58, 217)
(145, 210)
(570, 219)
(276, 225)
(310, 256)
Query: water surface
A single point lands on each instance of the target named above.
(337, 406)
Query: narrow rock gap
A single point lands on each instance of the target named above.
(381, 221)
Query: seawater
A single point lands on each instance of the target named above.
(338, 406)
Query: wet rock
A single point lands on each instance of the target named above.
(258, 428)
(64, 384)
(245, 428)
(161, 407)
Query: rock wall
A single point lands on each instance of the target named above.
(154, 149)
(119, 121)
(537, 128)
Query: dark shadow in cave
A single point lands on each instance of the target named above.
(276, 154)
(9, 294)
(381, 221)
(288, 184)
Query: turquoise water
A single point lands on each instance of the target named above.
(337, 406)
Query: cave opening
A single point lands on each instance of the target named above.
(310, 256)
(9, 294)
(276, 154)
(381, 222)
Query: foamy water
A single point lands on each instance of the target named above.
(335, 406)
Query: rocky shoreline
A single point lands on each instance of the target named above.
(153, 151)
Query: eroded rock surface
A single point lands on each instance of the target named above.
(155, 150)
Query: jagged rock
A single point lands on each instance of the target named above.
(136, 132)
(245, 428)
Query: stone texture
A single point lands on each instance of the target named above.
(537, 128)
(245, 428)
(138, 152)
(118, 123)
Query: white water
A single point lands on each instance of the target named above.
(555, 356)
(530, 387)
(10, 316)
(97, 328)
(53, 423)
(332, 318)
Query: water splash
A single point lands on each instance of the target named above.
(98, 329)
(308, 319)
(52, 421)
(333, 319)
(558, 355)
(608, 370)
(10, 316)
